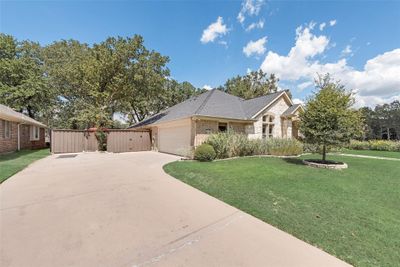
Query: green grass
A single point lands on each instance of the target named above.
(14, 162)
(353, 214)
(375, 153)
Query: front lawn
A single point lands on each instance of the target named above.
(14, 162)
(375, 153)
(353, 214)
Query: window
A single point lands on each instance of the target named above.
(6, 129)
(270, 130)
(268, 118)
(267, 126)
(264, 131)
(222, 127)
(34, 135)
(267, 131)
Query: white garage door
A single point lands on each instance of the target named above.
(174, 139)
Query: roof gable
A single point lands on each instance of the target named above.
(292, 110)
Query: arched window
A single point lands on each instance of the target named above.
(268, 126)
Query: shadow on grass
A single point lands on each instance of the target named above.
(18, 154)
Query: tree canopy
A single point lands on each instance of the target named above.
(253, 84)
(69, 84)
(382, 122)
(329, 119)
(23, 85)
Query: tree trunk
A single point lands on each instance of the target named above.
(323, 153)
(388, 133)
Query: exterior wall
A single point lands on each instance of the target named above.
(276, 110)
(9, 144)
(206, 127)
(203, 129)
(25, 138)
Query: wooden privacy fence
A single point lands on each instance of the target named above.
(72, 141)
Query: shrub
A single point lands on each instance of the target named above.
(382, 145)
(230, 144)
(204, 152)
(101, 137)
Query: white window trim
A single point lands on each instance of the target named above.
(32, 133)
(7, 129)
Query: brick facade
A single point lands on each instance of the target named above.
(11, 144)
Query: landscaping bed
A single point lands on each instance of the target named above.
(352, 214)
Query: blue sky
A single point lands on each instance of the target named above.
(369, 29)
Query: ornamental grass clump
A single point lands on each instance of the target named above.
(230, 144)
(283, 147)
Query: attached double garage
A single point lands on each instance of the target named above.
(175, 137)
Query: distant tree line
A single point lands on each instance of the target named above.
(382, 122)
(69, 84)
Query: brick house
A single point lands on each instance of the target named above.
(18, 131)
(181, 128)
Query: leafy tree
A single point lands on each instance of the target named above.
(23, 85)
(328, 119)
(253, 84)
(117, 75)
(382, 122)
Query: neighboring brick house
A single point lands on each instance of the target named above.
(18, 131)
(181, 128)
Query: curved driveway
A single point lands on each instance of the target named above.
(100, 209)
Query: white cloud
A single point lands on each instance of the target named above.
(322, 26)
(297, 101)
(223, 43)
(347, 51)
(214, 30)
(377, 82)
(207, 87)
(255, 47)
(256, 25)
(296, 64)
(249, 8)
(332, 22)
(304, 85)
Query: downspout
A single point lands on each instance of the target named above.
(19, 137)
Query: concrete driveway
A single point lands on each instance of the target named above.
(122, 210)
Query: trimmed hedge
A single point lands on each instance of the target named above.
(382, 145)
(230, 144)
(204, 152)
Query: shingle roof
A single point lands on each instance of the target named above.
(8, 113)
(213, 103)
(291, 109)
(254, 105)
